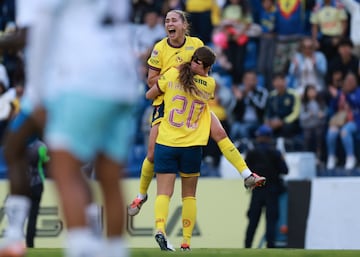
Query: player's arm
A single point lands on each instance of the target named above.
(153, 76)
(153, 92)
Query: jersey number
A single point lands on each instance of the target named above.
(191, 121)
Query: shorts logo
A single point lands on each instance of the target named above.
(156, 114)
(186, 223)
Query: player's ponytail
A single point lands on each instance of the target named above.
(186, 78)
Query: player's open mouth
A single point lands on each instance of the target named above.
(171, 32)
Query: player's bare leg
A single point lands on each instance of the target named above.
(147, 174)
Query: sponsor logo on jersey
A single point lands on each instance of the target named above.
(200, 81)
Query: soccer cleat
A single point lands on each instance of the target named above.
(135, 206)
(185, 247)
(13, 249)
(163, 242)
(254, 180)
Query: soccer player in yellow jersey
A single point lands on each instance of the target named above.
(184, 129)
(172, 51)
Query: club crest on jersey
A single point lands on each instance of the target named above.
(179, 59)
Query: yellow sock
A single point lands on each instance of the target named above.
(147, 174)
(188, 217)
(233, 155)
(161, 212)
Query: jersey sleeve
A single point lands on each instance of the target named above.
(198, 42)
(162, 81)
(155, 60)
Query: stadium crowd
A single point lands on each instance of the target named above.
(292, 65)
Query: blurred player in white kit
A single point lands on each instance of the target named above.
(83, 70)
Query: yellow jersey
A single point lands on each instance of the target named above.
(164, 56)
(199, 6)
(187, 118)
(330, 20)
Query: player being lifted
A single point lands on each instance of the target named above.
(172, 51)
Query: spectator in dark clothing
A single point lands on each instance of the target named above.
(199, 15)
(267, 41)
(141, 7)
(249, 108)
(345, 61)
(283, 109)
(269, 162)
(7, 13)
(37, 157)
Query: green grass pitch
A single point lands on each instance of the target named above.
(154, 252)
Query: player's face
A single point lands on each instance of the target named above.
(175, 26)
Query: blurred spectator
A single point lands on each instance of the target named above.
(4, 79)
(249, 109)
(283, 109)
(313, 120)
(255, 7)
(334, 84)
(308, 67)
(233, 33)
(267, 41)
(329, 23)
(37, 155)
(345, 61)
(147, 34)
(141, 7)
(7, 14)
(289, 26)
(344, 121)
(353, 7)
(336, 79)
(200, 18)
(144, 109)
(13, 61)
(222, 67)
(169, 5)
(269, 162)
(309, 7)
